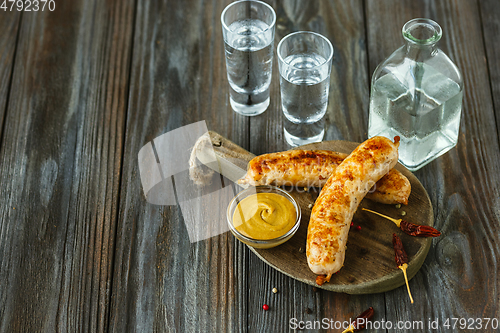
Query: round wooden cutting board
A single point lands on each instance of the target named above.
(369, 265)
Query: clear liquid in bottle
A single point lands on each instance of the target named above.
(427, 131)
(417, 95)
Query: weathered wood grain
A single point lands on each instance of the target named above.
(460, 276)
(490, 19)
(162, 282)
(60, 165)
(66, 111)
(9, 26)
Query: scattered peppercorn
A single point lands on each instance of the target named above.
(398, 206)
(301, 249)
(308, 311)
(352, 224)
(315, 289)
(275, 290)
(358, 227)
(265, 307)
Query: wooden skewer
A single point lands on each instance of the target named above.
(401, 259)
(411, 228)
(398, 222)
(403, 267)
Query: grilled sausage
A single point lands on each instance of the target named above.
(338, 200)
(312, 168)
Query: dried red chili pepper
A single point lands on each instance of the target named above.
(360, 321)
(409, 228)
(401, 259)
(399, 251)
(418, 230)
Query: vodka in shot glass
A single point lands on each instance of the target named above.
(305, 62)
(248, 28)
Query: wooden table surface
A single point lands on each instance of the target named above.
(84, 87)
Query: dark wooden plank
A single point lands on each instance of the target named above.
(460, 277)
(60, 165)
(162, 282)
(342, 22)
(9, 25)
(490, 17)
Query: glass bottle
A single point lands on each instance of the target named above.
(416, 93)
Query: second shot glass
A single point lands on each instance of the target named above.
(305, 63)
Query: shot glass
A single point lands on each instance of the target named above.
(305, 63)
(248, 29)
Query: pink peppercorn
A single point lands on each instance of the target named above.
(358, 228)
(265, 307)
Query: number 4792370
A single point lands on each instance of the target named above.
(27, 5)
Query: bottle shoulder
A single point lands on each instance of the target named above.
(406, 68)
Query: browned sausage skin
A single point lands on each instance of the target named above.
(312, 168)
(339, 199)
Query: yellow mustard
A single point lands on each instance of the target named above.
(264, 216)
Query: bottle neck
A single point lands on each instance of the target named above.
(420, 53)
(421, 36)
